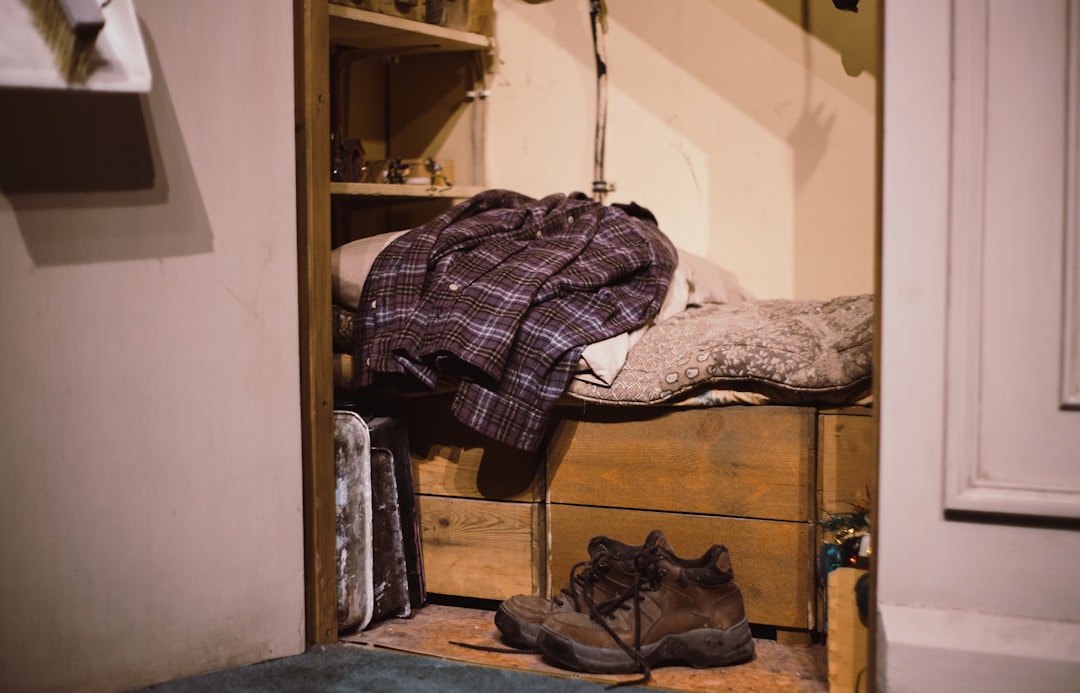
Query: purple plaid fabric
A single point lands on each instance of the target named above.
(502, 293)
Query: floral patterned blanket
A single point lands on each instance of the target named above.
(793, 352)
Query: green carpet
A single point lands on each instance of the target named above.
(356, 669)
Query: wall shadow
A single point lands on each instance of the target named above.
(98, 177)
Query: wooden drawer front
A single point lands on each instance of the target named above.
(449, 459)
(772, 560)
(481, 549)
(737, 461)
(847, 460)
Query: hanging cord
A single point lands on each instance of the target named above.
(598, 13)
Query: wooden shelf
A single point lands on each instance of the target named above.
(416, 105)
(391, 190)
(385, 34)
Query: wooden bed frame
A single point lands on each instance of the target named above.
(497, 522)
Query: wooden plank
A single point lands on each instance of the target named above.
(480, 549)
(312, 88)
(848, 639)
(435, 629)
(450, 459)
(772, 560)
(847, 461)
(740, 461)
(846, 468)
(385, 34)
(455, 192)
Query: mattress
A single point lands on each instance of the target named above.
(811, 352)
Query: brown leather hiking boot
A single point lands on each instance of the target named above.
(674, 611)
(608, 573)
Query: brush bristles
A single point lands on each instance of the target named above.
(71, 28)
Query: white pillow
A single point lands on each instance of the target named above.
(601, 361)
(710, 283)
(350, 264)
(696, 281)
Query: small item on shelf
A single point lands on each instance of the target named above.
(397, 171)
(389, 171)
(846, 541)
(439, 176)
(476, 16)
(435, 13)
(374, 172)
(347, 160)
(408, 9)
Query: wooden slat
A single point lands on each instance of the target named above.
(480, 549)
(773, 564)
(737, 461)
(311, 58)
(847, 461)
(848, 637)
(846, 467)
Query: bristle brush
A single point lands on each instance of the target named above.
(71, 28)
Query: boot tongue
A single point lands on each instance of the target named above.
(714, 569)
(657, 539)
(720, 559)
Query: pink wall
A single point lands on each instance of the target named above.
(149, 414)
(747, 126)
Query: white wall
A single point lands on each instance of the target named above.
(150, 488)
(742, 131)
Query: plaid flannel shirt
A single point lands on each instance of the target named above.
(502, 293)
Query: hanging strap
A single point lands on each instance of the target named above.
(598, 13)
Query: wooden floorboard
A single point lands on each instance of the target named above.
(433, 629)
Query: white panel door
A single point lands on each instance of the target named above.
(977, 548)
(1012, 426)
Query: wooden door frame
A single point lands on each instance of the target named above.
(312, 111)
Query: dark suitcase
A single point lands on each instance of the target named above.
(390, 436)
(390, 581)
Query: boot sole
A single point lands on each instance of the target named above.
(515, 632)
(702, 648)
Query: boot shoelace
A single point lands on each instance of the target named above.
(583, 576)
(647, 575)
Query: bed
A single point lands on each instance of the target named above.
(720, 418)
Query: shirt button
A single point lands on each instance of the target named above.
(570, 219)
(539, 234)
(373, 304)
(453, 287)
